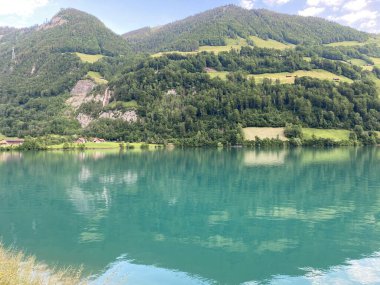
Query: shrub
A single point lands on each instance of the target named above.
(293, 131)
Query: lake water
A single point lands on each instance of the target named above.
(236, 216)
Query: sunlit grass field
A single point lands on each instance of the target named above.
(90, 58)
(97, 77)
(337, 135)
(316, 73)
(270, 43)
(372, 40)
(285, 77)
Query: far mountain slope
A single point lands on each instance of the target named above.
(214, 26)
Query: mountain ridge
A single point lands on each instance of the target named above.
(213, 26)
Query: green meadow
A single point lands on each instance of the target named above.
(90, 58)
(97, 77)
(336, 135)
(269, 43)
(286, 77)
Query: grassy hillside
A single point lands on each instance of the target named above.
(268, 43)
(97, 77)
(212, 27)
(90, 58)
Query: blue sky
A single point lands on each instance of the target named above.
(126, 15)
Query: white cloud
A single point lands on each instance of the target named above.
(328, 3)
(247, 4)
(276, 2)
(311, 11)
(20, 8)
(362, 15)
(356, 5)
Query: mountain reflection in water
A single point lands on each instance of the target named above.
(201, 216)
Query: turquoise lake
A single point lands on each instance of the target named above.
(302, 216)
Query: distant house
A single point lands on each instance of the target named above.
(288, 76)
(336, 79)
(3, 143)
(14, 141)
(81, 140)
(96, 140)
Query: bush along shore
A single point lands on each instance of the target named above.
(18, 269)
(294, 135)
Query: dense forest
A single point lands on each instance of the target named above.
(177, 97)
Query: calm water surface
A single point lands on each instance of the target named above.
(198, 216)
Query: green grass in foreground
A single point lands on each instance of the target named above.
(18, 269)
(337, 135)
(97, 77)
(90, 58)
(270, 43)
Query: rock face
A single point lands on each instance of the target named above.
(79, 93)
(84, 120)
(129, 116)
(55, 22)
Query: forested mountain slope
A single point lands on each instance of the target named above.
(214, 26)
(38, 63)
(118, 89)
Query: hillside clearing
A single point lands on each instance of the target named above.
(346, 44)
(121, 104)
(274, 133)
(250, 134)
(285, 77)
(376, 60)
(89, 58)
(97, 77)
(269, 43)
(232, 44)
(372, 40)
(289, 78)
(336, 135)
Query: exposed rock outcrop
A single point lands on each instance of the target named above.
(129, 116)
(55, 22)
(79, 93)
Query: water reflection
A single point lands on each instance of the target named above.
(361, 271)
(225, 216)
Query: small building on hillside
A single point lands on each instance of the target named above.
(81, 140)
(3, 143)
(97, 140)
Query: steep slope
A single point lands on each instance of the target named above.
(39, 62)
(214, 26)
